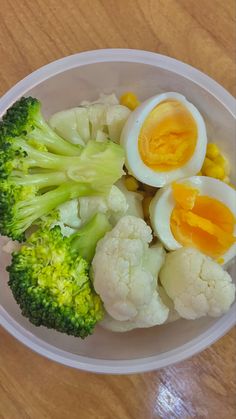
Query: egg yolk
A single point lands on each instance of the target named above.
(202, 222)
(168, 137)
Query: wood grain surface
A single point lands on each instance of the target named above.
(201, 33)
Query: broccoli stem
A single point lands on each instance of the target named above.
(29, 211)
(46, 136)
(83, 168)
(45, 159)
(41, 180)
(84, 241)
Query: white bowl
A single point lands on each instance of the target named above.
(62, 84)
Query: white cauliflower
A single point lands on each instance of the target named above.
(99, 120)
(73, 214)
(114, 205)
(66, 231)
(124, 326)
(134, 200)
(69, 220)
(197, 285)
(69, 214)
(114, 325)
(125, 271)
(173, 315)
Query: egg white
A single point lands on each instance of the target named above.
(163, 203)
(129, 140)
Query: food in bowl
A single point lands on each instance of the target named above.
(164, 139)
(73, 194)
(197, 212)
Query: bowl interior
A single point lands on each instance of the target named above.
(67, 89)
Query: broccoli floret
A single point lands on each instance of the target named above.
(20, 206)
(34, 181)
(49, 278)
(24, 119)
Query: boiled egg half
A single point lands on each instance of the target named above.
(197, 212)
(164, 139)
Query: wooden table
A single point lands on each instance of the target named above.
(33, 33)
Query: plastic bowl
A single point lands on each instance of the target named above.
(62, 84)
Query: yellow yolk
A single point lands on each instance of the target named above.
(184, 196)
(201, 222)
(168, 136)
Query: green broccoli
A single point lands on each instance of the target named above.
(34, 181)
(49, 278)
(24, 119)
(20, 207)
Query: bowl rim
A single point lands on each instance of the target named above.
(225, 323)
(97, 365)
(121, 55)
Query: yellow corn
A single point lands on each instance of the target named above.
(220, 261)
(207, 163)
(215, 171)
(222, 161)
(212, 151)
(131, 183)
(146, 202)
(130, 100)
(216, 165)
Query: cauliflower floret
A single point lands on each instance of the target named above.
(66, 231)
(125, 326)
(100, 120)
(173, 315)
(69, 215)
(197, 285)
(113, 205)
(115, 325)
(73, 214)
(134, 200)
(125, 272)
(69, 220)
(107, 117)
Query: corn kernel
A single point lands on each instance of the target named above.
(223, 161)
(220, 261)
(131, 183)
(207, 163)
(220, 160)
(215, 171)
(212, 151)
(146, 202)
(130, 100)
